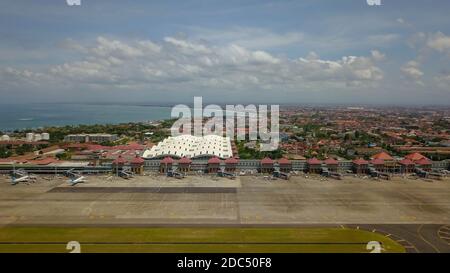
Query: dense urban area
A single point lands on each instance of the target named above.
(339, 133)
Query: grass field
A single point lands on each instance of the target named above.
(223, 240)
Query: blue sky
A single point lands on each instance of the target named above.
(236, 51)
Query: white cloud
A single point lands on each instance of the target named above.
(350, 69)
(248, 37)
(188, 46)
(412, 71)
(12, 76)
(179, 63)
(443, 81)
(377, 55)
(149, 46)
(405, 23)
(439, 42)
(383, 39)
(106, 47)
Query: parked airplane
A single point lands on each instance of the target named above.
(20, 175)
(75, 180)
(282, 175)
(126, 173)
(223, 173)
(175, 174)
(15, 181)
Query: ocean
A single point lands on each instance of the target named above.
(24, 116)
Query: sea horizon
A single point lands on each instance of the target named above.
(35, 115)
(40, 115)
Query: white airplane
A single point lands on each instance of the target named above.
(21, 175)
(75, 177)
(15, 181)
(76, 180)
(126, 174)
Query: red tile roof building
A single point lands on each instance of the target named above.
(415, 156)
(384, 156)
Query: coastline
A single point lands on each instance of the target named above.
(37, 116)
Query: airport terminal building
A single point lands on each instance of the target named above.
(193, 147)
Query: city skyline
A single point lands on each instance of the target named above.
(265, 51)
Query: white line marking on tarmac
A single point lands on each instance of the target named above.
(423, 239)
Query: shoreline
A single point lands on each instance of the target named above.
(22, 130)
(27, 117)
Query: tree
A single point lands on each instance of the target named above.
(4, 152)
(23, 149)
(64, 156)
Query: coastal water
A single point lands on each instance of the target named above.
(22, 116)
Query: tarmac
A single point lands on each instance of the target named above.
(414, 211)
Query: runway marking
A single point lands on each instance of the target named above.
(406, 244)
(444, 235)
(425, 240)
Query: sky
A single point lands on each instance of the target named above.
(312, 51)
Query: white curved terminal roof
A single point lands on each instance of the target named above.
(192, 146)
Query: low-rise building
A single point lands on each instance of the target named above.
(90, 138)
